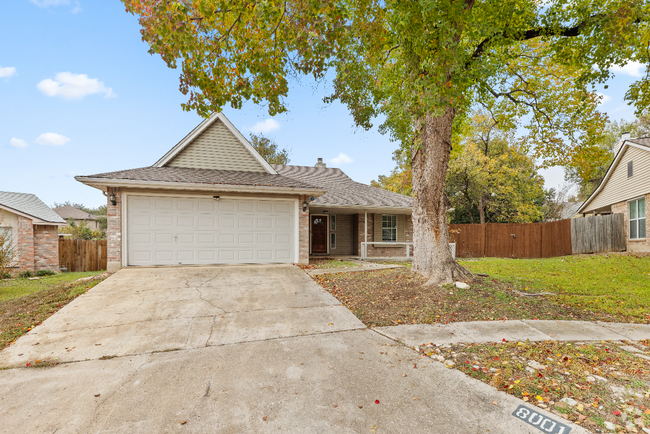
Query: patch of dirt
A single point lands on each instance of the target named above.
(398, 296)
(586, 383)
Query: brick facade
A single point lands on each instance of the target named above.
(383, 251)
(303, 232)
(634, 245)
(36, 247)
(46, 248)
(114, 231)
(24, 250)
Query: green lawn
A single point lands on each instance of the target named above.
(10, 289)
(617, 284)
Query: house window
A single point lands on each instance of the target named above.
(332, 223)
(637, 219)
(332, 241)
(6, 235)
(630, 169)
(389, 228)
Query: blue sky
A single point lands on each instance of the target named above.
(79, 94)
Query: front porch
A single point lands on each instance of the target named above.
(362, 234)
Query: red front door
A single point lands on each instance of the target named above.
(319, 234)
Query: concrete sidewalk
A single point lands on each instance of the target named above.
(495, 331)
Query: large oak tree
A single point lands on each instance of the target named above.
(421, 64)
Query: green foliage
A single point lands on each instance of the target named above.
(5, 276)
(25, 274)
(41, 273)
(13, 289)
(401, 178)
(81, 231)
(587, 183)
(268, 149)
(100, 210)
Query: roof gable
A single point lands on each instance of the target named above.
(215, 144)
(30, 205)
(616, 186)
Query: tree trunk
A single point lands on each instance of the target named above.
(432, 258)
(481, 209)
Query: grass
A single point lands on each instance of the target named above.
(319, 263)
(10, 289)
(607, 382)
(26, 303)
(615, 284)
(397, 296)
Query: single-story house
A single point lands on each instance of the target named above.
(33, 228)
(79, 217)
(625, 189)
(212, 199)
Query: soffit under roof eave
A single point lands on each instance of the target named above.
(102, 184)
(356, 208)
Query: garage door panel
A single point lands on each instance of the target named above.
(164, 204)
(178, 230)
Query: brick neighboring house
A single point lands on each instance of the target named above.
(625, 189)
(33, 227)
(69, 212)
(212, 199)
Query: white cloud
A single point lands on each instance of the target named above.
(266, 126)
(73, 86)
(7, 71)
(52, 139)
(341, 159)
(603, 98)
(631, 68)
(46, 3)
(76, 9)
(17, 143)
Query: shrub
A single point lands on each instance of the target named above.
(5, 276)
(41, 273)
(25, 274)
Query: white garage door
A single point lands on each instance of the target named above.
(184, 230)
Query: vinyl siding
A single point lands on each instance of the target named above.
(619, 187)
(217, 148)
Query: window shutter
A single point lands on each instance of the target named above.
(377, 225)
(401, 226)
(630, 169)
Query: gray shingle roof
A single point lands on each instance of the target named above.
(29, 204)
(569, 209)
(203, 176)
(343, 191)
(643, 141)
(70, 212)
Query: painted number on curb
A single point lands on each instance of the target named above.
(540, 421)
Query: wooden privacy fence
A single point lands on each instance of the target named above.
(540, 240)
(603, 233)
(82, 255)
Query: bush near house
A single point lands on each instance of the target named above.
(81, 231)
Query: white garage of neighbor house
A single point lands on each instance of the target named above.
(212, 199)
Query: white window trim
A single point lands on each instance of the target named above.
(635, 220)
(382, 228)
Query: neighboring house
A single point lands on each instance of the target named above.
(212, 199)
(34, 230)
(626, 190)
(569, 210)
(80, 217)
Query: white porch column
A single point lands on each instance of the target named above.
(365, 233)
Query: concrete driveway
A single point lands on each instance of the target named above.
(231, 349)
